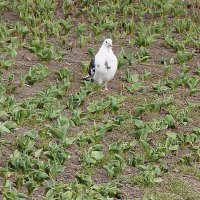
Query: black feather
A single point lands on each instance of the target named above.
(91, 71)
(107, 66)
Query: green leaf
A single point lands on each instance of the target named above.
(37, 153)
(3, 113)
(138, 123)
(57, 132)
(173, 147)
(171, 135)
(196, 130)
(22, 195)
(97, 155)
(42, 175)
(67, 141)
(134, 87)
(9, 124)
(3, 129)
(144, 135)
(12, 52)
(84, 179)
(7, 183)
(147, 148)
(30, 185)
(97, 106)
(21, 115)
(56, 169)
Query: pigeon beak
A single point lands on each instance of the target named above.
(111, 45)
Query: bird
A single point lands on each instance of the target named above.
(103, 65)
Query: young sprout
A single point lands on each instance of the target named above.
(82, 40)
(184, 56)
(146, 75)
(10, 78)
(81, 28)
(166, 68)
(22, 79)
(197, 70)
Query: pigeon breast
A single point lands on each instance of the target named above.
(105, 65)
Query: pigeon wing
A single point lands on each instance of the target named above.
(91, 71)
(111, 62)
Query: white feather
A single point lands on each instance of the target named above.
(105, 63)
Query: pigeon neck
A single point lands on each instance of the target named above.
(105, 49)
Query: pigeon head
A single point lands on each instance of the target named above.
(107, 43)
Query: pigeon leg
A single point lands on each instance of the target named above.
(106, 87)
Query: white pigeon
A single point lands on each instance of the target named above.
(104, 65)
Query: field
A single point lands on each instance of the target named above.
(63, 138)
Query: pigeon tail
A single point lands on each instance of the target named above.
(87, 78)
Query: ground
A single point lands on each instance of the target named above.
(63, 138)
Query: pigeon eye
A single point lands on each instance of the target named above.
(106, 41)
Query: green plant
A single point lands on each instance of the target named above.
(143, 54)
(37, 73)
(65, 73)
(115, 166)
(158, 88)
(93, 155)
(144, 36)
(198, 69)
(183, 56)
(112, 103)
(150, 174)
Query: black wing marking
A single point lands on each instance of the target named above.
(91, 71)
(107, 66)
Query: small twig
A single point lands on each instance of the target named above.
(25, 84)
